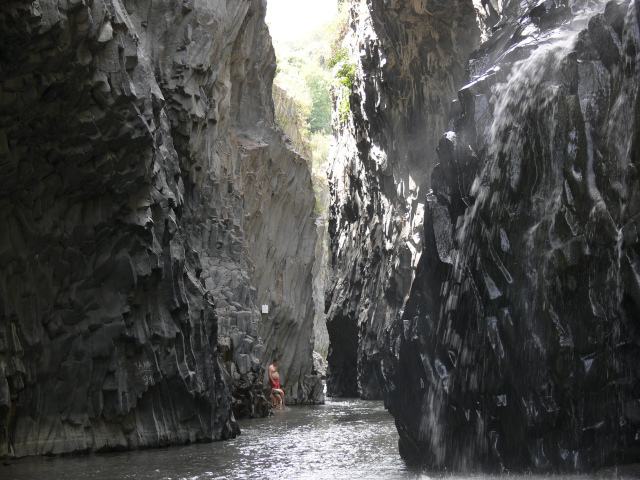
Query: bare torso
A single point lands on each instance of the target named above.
(277, 394)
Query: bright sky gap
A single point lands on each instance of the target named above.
(291, 20)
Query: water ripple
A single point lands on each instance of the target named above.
(346, 439)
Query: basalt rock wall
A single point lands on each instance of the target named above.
(410, 61)
(321, 337)
(519, 346)
(149, 205)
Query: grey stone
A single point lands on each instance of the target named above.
(499, 322)
(519, 351)
(319, 365)
(411, 61)
(149, 204)
(243, 363)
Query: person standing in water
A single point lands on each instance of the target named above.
(277, 393)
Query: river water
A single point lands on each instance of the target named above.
(344, 439)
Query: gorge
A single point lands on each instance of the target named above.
(150, 205)
(160, 241)
(486, 289)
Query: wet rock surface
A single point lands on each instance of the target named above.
(410, 62)
(149, 206)
(519, 346)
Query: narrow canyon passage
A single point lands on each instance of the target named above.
(423, 214)
(343, 439)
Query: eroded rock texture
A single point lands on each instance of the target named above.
(411, 60)
(320, 334)
(290, 118)
(519, 346)
(149, 205)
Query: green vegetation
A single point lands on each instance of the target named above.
(319, 84)
(320, 145)
(346, 69)
(309, 70)
(336, 30)
(309, 84)
(345, 73)
(282, 121)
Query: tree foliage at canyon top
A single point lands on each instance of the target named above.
(308, 70)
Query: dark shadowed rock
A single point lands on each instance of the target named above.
(518, 347)
(410, 62)
(149, 205)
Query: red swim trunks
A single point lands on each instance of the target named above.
(275, 384)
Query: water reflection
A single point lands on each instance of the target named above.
(347, 439)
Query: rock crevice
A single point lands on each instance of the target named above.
(490, 295)
(410, 61)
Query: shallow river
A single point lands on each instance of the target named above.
(344, 439)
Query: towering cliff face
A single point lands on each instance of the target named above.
(291, 340)
(149, 205)
(504, 323)
(320, 336)
(519, 344)
(411, 60)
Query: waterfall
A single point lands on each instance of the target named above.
(527, 295)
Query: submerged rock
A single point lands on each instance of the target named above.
(149, 205)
